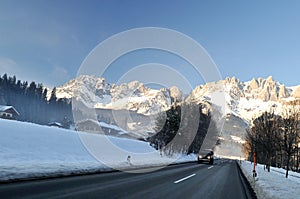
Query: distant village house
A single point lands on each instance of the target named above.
(93, 126)
(56, 124)
(8, 112)
(88, 125)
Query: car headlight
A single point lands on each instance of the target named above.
(200, 156)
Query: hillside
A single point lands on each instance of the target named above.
(31, 151)
(243, 99)
(239, 102)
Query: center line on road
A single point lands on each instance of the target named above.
(184, 178)
(210, 167)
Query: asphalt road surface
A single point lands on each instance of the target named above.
(192, 180)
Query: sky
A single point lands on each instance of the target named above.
(47, 41)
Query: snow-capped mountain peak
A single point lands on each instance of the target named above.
(248, 99)
(97, 93)
(243, 99)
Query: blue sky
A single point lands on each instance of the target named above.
(46, 41)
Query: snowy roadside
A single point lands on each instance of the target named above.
(272, 185)
(33, 170)
(29, 151)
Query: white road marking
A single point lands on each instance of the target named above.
(210, 167)
(184, 178)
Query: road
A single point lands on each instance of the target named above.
(192, 180)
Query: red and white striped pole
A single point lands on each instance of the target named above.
(254, 166)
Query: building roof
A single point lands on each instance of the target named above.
(88, 120)
(55, 124)
(4, 108)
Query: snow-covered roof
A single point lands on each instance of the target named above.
(4, 108)
(110, 126)
(105, 125)
(88, 120)
(55, 124)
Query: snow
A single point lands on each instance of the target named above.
(29, 151)
(114, 127)
(240, 98)
(95, 92)
(5, 108)
(292, 88)
(273, 184)
(237, 139)
(105, 102)
(243, 101)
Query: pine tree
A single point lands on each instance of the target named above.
(182, 129)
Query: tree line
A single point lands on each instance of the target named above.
(275, 139)
(183, 129)
(30, 100)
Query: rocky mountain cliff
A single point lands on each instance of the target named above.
(97, 93)
(246, 100)
(238, 101)
(243, 99)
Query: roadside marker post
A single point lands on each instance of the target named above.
(254, 166)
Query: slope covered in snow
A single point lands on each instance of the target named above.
(29, 150)
(95, 92)
(232, 137)
(243, 100)
(246, 100)
(272, 185)
(33, 151)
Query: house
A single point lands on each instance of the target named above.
(93, 126)
(8, 112)
(88, 125)
(56, 124)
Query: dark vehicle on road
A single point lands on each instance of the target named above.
(206, 156)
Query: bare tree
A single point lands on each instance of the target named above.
(249, 145)
(272, 137)
(263, 139)
(290, 137)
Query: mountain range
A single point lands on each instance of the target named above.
(243, 99)
(239, 102)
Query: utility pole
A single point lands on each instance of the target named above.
(297, 166)
(254, 166)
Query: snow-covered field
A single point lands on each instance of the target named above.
(272, 185)
(29, 150)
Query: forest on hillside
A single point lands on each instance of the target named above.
(30, 100)
(181, 129)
